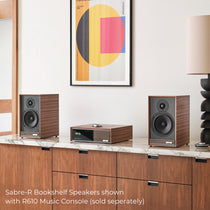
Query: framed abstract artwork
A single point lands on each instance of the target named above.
(101, 43)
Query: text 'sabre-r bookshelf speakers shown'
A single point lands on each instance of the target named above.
(100, 42)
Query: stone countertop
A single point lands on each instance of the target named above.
(137, 145)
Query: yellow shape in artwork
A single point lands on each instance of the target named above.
(96, 58)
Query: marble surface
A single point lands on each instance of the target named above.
(137, 145)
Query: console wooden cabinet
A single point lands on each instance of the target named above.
(201, 186)
(162, 182)
(24, 168)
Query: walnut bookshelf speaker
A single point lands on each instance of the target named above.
(39, 116)
(169, 120)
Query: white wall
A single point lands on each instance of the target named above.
(5, 69)
(159, 39)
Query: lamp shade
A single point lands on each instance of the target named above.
(198, 45)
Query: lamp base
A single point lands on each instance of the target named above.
(205, 107)
(201, 145)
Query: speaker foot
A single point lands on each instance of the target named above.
(201, 145)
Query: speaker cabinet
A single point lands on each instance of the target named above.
(169, 120)
(39, 116)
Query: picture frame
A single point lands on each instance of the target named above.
(101, 43)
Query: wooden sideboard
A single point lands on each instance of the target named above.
(157, 181)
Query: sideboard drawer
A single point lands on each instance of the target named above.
(65, 160)
(82, 161)
(170, 169)
(154, 195)
(82, 187)
(152, 167)
(130, 165)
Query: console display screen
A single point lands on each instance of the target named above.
(82, 135)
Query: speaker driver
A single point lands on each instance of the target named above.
(163, 124)
(162, 106)
(31, 119)
(30, 103)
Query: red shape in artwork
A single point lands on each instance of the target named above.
(112, 35)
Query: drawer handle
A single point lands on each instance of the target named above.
(83, 152)
(83, 176)
(155, 184)
(46, 148)
(153, 156)
(200, 160)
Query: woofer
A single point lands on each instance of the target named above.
(163, 124)
(31, 119)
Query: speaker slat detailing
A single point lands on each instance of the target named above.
(182, 120)
(47, 109)
(168, 120)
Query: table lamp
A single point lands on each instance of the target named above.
(198, 63)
